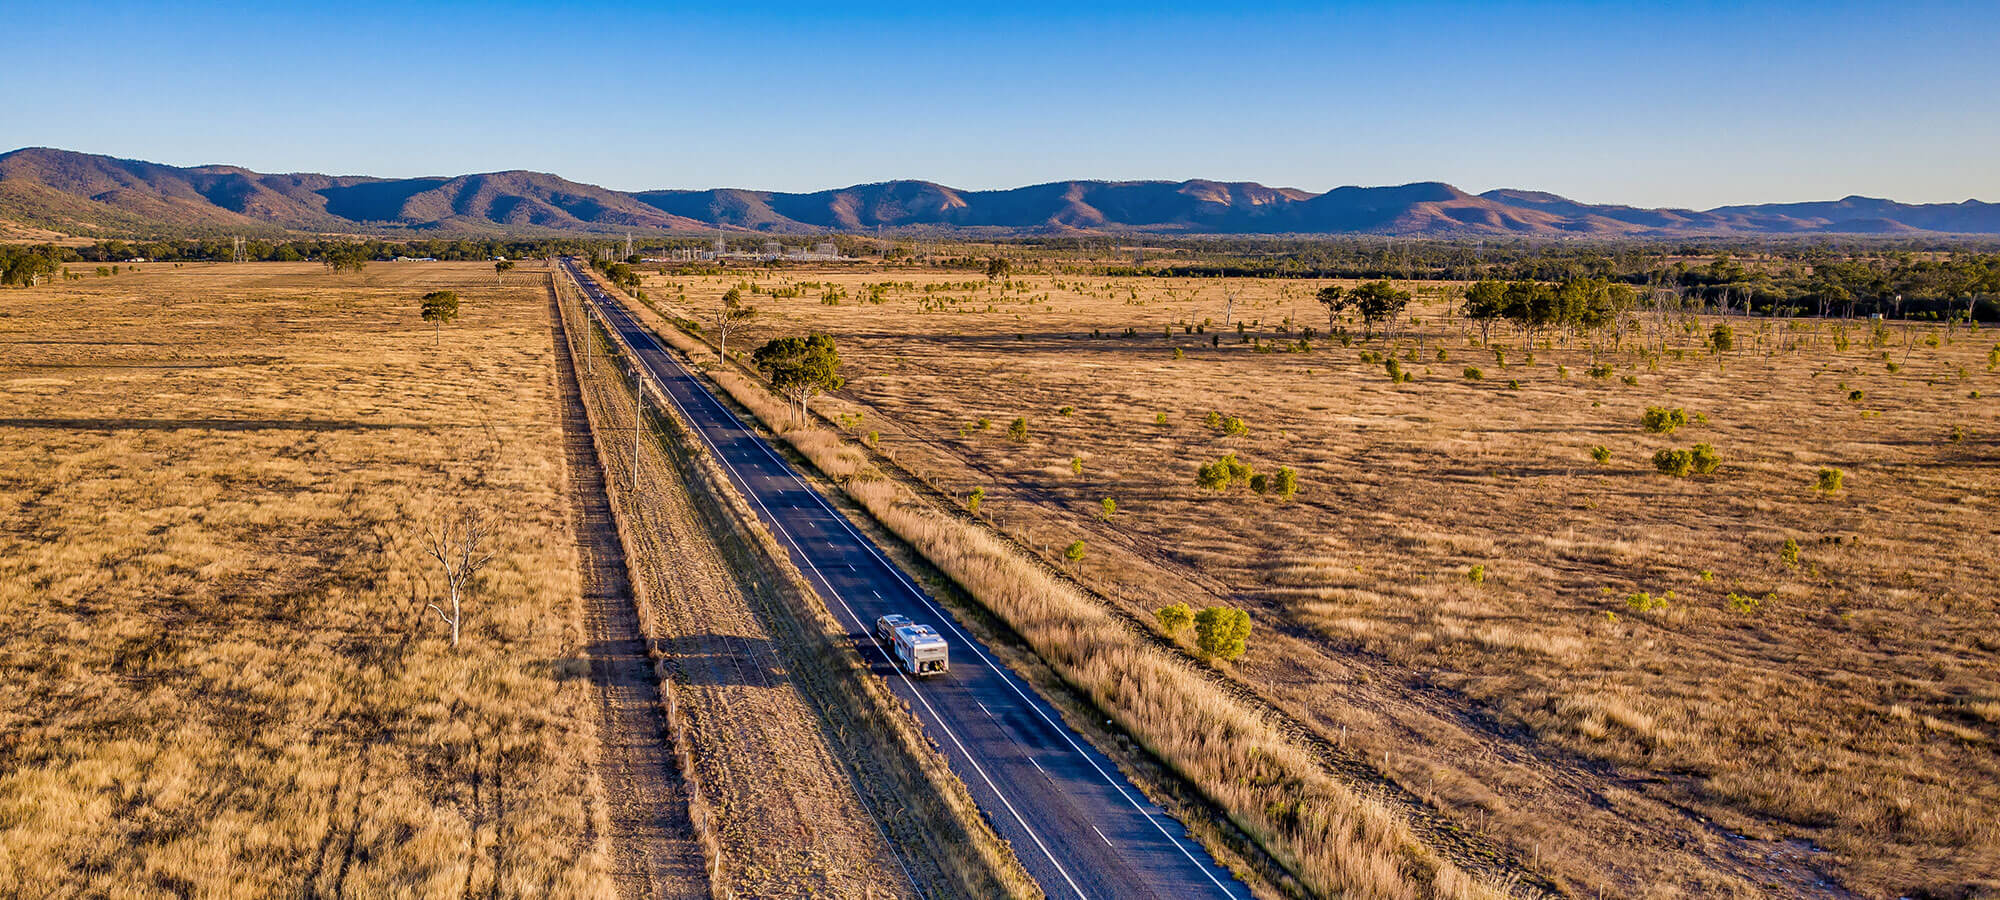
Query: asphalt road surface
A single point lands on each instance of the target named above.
(1080, 828)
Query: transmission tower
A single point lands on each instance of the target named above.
(239, 253)
(628, 245)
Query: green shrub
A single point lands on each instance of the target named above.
(1238, 469)
(1074, 552)
(1790, 552)
(1677, 463)
(1600, 371)
(1857, 395)
(1513, 384)
(1076, 465)
(973, 500)
(1160, 418)
(1704, 459)
(1472, 373)
(1179, 354)
(1017, 431)
(1222, 631)
(1476, 574)
(1220, 474)
(1234, 427)
(1215, 420)
(1260, 483)
(1107, 508)
(1645, 602)
(1287, 483)
(1067, 410)
(1661, 420)
(1722, 339)
(1632, 380)
(1601, 454)
(1829, 481)
(1742, 603)
(1175, 618)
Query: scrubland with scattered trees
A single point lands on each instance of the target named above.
(1645, 585)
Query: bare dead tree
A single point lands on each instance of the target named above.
(455, 542)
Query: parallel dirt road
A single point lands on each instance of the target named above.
(654, 853)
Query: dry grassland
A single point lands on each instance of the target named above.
(217, 676)
(1831, 728)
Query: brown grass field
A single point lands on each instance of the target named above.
(218, 677)
(1831, 728)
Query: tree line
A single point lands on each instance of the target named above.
(263, 250)
(1580, 306)
(26, 265)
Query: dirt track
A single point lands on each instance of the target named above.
(654, 852)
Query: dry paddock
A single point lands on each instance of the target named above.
(1779, 722)
(217, 675)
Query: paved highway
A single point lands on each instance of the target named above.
(1081, 829)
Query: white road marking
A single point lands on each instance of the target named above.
(1101, 837)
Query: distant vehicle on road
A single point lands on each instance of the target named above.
(921, 651)
(885, 627)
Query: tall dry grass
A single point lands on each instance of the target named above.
(218, 677)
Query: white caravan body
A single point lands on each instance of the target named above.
(921, 651)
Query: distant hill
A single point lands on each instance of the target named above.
(81, 193)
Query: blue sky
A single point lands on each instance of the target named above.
(1684, 105)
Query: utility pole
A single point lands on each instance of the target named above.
(638, 422)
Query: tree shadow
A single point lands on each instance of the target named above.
(722, 660)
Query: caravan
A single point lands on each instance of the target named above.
(917, 648)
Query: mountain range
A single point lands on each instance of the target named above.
(91, 195)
